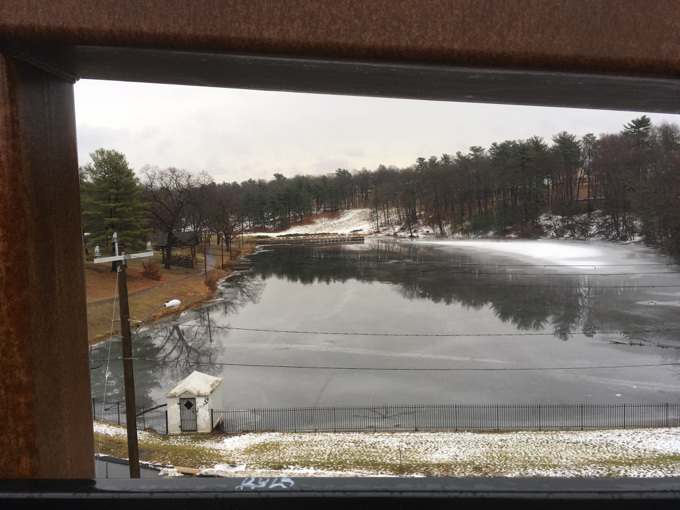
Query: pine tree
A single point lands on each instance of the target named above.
(110, 198)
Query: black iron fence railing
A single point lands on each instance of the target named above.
(153, 418)
(414, 417)
(449, 417)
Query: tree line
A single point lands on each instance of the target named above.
(628, 181)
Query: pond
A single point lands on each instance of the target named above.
(424, 322)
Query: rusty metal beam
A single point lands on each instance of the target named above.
(44, 368)
(630, 37)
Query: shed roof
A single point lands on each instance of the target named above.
(197, 384)
(189, 238)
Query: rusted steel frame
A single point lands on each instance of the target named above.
(359, 78)
(44, 368)
(625, 37)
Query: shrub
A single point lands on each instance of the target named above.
(214, 277)
(151, 270)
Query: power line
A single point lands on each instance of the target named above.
(441, 334)
(429, 335)
(392, 369)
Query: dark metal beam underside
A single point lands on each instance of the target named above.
(356, 78)
(609, 54)
(346, 493)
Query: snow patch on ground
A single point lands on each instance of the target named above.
(594, 453)
(565, 454)
(170, 473)
(357, 221)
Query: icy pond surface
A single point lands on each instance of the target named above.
(425, 322)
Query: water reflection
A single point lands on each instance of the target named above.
(167, 353)
(414, 306)
(530, 297)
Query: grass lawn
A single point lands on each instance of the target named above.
(592, 453)
(101, 285)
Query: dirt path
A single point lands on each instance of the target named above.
(211, 262)
(145, 295)
(149, 288)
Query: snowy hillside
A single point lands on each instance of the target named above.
(356, 221)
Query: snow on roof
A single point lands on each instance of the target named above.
(197, 384)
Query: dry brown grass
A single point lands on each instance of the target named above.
(101, 281)
(101, 284)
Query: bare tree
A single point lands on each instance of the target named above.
(224, 211)
(171, 193)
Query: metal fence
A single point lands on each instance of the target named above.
(155, 418)
(449, 417)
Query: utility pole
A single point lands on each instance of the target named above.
(128, 374)
(205, 257)
(130, 408)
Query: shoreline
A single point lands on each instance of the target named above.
(214, 276)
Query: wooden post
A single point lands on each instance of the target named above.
(128, 375)
(44, 370)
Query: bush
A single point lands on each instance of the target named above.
(214, 277)
(151, 270)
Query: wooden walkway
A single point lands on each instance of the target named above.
(310, 240)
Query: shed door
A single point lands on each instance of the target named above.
(187, 414)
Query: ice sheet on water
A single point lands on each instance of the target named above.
(595, 256)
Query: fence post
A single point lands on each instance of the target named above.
(497, 423)
(539, 416)
(143, 419)
(667, 414)
(624, 416)
(581, 416)
(118, 409)
(212, 421)
(335, 424)
(94, 410)
(167, 432)
(455, 416)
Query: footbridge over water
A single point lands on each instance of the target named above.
(310, 240)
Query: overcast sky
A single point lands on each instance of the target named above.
(238, 134)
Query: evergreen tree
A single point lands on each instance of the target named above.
(110, 198)
(639, 128)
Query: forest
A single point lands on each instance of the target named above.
(623, 186)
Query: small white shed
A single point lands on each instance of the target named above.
(191, 401)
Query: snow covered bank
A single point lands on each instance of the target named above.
(581, 227)
(600, 453)
(353, 221)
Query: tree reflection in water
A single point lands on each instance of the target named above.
(166, 353)
(184, 347)
(543, 300)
